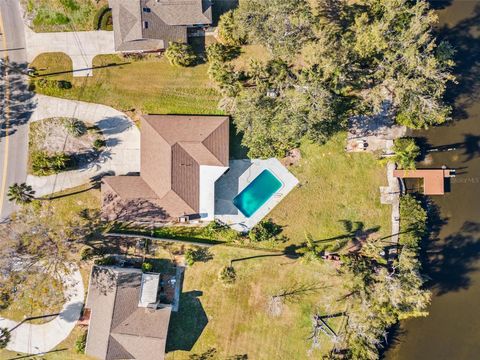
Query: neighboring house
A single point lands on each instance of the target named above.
(129, 313)
(182, 157)
(149, 25)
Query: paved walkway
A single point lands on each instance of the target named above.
(81, 46)
(122, 153)
(33, 339)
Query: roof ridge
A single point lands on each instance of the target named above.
(113, 309)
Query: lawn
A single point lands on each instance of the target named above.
(149, 85)
(235, 320)
(334, 186)
(62, 15)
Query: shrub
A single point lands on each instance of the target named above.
(99, 15)
(99, 143)
(53, 84)
(265, 230)
(219, 231)
(227, 275)
(75, 127)
(64, 84)
(106, 21)
(80, 343)
(194, 255)
(179, 54)
(228, 30)
(147, 266)
(221, 52)
(86, 253)
(44, 164)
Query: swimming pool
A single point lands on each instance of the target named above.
(257, 193)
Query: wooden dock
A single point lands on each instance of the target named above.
(433, 179)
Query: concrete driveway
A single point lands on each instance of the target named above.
(122, 153)
(81, 46)
(33, 339)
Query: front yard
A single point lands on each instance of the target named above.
(149, 85)
(62, 15)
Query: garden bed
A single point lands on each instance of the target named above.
(59, 144)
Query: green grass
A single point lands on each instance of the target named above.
(334, 186)
(62, 15)
(235, 320)
(150, 85)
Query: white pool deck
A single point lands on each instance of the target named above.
(242, 173)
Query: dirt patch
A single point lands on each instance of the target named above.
(80, 141)
(52, 135)
(292, 158)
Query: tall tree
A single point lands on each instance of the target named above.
(403, 63)
(282, 26)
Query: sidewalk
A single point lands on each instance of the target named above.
(33, 339)
(122, 153)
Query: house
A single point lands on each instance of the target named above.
(129, 313)
(149, 25)
(182, 157)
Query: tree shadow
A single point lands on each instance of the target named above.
(19, 104)
(440, 4)
(467, 69)
(451, 260)
(187, 324)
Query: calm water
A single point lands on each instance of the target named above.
(452, 331)
(257, 193)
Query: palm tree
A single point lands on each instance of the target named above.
(21, 193)
(406, 152)
(4, 337)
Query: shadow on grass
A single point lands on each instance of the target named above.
(188, 323)
(33, 356)
(72, 71)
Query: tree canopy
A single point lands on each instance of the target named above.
(330, 60)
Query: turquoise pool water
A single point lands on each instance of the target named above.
(257, 193)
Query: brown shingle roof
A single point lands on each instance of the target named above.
(119, 329)
(166, 20)
(173, 147)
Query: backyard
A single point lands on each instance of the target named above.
(147, 85)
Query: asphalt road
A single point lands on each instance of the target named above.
(15, 102)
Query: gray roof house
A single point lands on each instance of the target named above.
(129, 313)
(149, 25)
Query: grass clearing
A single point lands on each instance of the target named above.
(235, 320)
(334, 186)
(150, 85)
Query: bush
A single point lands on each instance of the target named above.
(147, 266)
(227, 275)
(64, 84)
(265, 230)
(179, 54)
(228, 30)
(86, 253)
(44, 164)
(53, 84)
(219, 231)
(99, 15)
(99, 143)
(75, 127)
(194, 255)
(80, 343)
(106, 21)
(221, 52)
